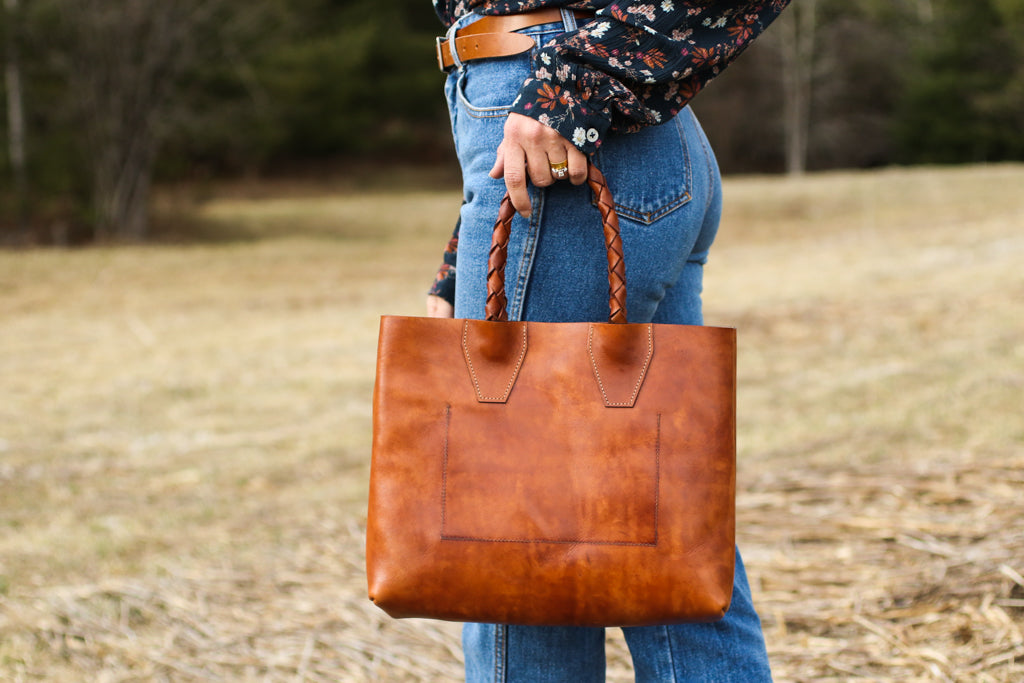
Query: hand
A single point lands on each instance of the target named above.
(529, 148)
(439, 308)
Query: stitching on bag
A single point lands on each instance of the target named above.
(640, 379)
(657, 480)
(444, 467)
(577, 541)
(581, 541)
(472, 370)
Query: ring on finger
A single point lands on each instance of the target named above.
(560, 170)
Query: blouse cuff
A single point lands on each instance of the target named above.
(563, 96)
(444, 284)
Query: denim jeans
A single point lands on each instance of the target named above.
(667, 189)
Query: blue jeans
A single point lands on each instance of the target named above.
(667, 188)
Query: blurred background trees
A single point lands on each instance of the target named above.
(101, 98)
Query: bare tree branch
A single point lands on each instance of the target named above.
(797, 29)
(130, 57)
(16, 110)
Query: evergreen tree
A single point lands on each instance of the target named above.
(962, 97)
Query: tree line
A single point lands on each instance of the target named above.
(102, 98)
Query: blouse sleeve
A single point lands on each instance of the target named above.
(637, 64)
(444, 281)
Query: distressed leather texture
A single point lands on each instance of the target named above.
(552, 507)
(553, 473)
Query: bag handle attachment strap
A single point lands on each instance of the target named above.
(497, 301)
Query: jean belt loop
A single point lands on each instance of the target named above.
(450, 37)
(458, 25)
(568, 19)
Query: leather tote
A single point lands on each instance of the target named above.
(553, 473)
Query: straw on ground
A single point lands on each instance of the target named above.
(184, 435)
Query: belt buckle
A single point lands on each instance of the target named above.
(438, 42)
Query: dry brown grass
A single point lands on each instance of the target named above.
(184, 435)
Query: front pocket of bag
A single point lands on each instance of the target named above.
(648, 172)
(537, 477)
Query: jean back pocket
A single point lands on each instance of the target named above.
(648, 172)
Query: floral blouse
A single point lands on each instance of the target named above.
(634, 64)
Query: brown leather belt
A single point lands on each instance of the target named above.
(493, 36)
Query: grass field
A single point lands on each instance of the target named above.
(184, 434)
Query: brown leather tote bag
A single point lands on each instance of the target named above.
(553, 473)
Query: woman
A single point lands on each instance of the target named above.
(535, 87)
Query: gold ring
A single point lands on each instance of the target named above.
(560, 168)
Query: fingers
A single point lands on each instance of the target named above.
(498, 170)
(577, 167)
(543, 147)
(571, 166)
(511, 164)
(559, 167)
(528, 151)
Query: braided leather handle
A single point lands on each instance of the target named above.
(497, 301)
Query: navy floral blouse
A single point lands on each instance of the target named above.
(634, 64)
